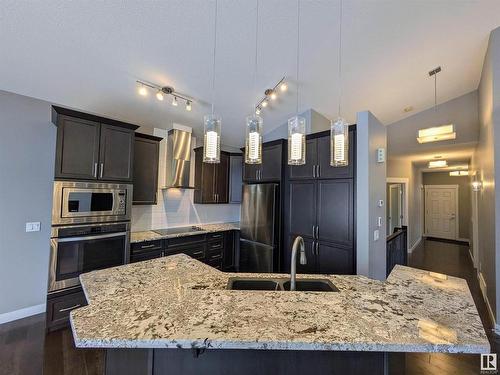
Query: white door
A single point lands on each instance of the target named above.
(441, 219)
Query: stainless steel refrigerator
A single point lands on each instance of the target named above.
(259, 228)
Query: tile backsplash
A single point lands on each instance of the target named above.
(175, 208)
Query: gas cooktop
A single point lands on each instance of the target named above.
(178, 230)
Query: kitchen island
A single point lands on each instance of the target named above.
(176, 315)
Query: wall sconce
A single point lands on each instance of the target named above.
(476, 185)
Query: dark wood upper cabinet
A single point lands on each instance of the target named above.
(116, 154)
(306, 171)
(235, 177)
(211, 180)
(272, 163)
(91, 147)
(318, 154)
(146, 159)
(77, 148)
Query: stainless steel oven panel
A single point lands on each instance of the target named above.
(54, 242)
(60, 211)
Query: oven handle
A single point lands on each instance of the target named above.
(96, 237)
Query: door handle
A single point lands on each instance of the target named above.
(101, 171)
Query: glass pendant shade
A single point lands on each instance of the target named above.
(297, 140)
(211, 139)
(339, 143)
(253, 143)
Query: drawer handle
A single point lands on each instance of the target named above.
(216, 235)
(198, 253)
(70, 308)
(215, 246)
(147, 246)
(216, 256)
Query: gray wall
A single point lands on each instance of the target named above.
(486, 164)
(404, 168)
(27, 147)
(370, 188)
(464, 201)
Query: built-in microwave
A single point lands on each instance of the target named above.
(80, 202)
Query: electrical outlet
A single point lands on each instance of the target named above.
(379, 221)
(376, 235)
(33, 227)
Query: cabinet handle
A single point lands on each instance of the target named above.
(317, 248)
(101, 171)
(314, 232)
(147, 246)
(70, 308)
(314, 171)
(317, 232)
(318, 171)
(94, 171)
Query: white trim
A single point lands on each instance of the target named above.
(410, 250)
(406, 196)
(457, 216)
(22, 313)
(482, 286)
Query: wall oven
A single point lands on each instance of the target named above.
(79, 202)
(78, 249)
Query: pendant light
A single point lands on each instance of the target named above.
(212, 122)
(253, 133)
(297, 124)
(339, 130)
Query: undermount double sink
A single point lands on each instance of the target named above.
(281, 284)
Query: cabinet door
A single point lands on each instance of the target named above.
(305, 172)
(271, 163)
(77, 150)
(327, 171)
(250, 171)
(334, 259)
(116, 153)
(335, 211)
(310, 266)
(235, 178)
(302, 208)
(208, 183)
(229, 251)
(222, 179)
(146, 158)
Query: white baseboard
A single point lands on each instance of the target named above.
(414, 246)
(482, 286)
(22, 313)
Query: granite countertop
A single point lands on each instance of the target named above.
(178, 302)
(151, 235)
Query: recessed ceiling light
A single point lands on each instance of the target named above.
(437, 157)
(437, 164)
(408, 109)
(437, 133)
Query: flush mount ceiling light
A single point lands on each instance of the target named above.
(436, 133)
(437, 164)
(161, 91)
(459, 173)
(270, 95)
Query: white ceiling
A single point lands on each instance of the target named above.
(87, 55)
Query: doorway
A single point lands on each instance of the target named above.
(441, 211)
(394, 206)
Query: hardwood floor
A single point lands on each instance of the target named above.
(26, 350)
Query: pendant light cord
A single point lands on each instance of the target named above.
(297, 64)
(340, 57)
(256, 45)
(213, 65)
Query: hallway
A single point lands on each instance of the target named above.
(452, 259)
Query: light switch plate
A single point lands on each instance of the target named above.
(379, 221)
(33, 227)
(376, 235)
(380, 202)
(380, 155)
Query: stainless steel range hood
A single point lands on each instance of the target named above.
(178, 159)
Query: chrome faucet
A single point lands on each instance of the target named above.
(299, 241)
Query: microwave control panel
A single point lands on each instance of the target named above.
(121, 202)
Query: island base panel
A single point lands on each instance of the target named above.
(247, 362)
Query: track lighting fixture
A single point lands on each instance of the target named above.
(161, 91)
(271, 94)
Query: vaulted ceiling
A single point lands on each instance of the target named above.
(88, 55)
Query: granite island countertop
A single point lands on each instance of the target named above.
(178, 302)
(151, 235)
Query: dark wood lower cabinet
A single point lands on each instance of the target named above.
(246, 362)
(60, 304)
